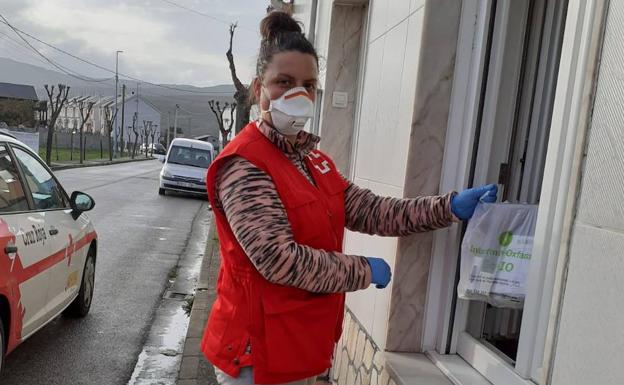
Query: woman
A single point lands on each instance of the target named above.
(281, 208)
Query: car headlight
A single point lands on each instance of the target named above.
(166, 173)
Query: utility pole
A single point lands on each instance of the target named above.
(116, 94)
(137, 100)
(168, 126)
(175, 122)
(123, 108)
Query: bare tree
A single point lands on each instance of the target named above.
(109, 117)
(56, 105)
(135, 130)
(85, 113)
(242, 92)
(153, 135)
(147, 130)
(129, 141)
(219, 112)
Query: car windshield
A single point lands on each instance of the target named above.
(189, 156)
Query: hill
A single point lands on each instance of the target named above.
(194, 116)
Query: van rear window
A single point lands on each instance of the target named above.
(188, 156)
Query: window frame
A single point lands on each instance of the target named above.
(362, 67)
(571, 111)
(28, 151)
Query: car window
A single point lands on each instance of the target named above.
(46, 192)
(12, 197)
(189, 156)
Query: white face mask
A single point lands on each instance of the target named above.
(291, 111)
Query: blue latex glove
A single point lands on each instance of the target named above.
(380, 272)
(463, 204)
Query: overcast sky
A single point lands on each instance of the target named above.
(162, 43)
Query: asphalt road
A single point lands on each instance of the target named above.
(141, 236)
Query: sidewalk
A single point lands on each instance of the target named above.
(194, 369)
(56, 166)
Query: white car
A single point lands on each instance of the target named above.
(185, 166)
(47, 247)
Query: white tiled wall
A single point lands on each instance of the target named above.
(416, 4)
(589, 344)
(379, 18)
(383, 139)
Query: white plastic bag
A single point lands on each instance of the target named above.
(496, 254)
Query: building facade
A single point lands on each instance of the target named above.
(70, 118)
(135, 112)
(428, 96)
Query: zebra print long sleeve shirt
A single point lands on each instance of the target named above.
(258, 219)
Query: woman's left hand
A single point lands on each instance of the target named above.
(463, 204)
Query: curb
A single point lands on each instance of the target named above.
(60, 166)
(195, 369)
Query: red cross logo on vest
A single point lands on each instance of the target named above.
(324, 167)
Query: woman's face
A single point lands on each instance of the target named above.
(287, 70)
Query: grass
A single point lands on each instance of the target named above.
(66, 155)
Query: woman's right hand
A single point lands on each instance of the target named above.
(463, 204)
(380, 271)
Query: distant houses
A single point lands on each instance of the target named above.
(70, 117)
(146, 113)
(134, 111)
(18, 105)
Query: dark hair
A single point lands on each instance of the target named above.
(281, 33)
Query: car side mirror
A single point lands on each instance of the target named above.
(80, 202)
(161, 158)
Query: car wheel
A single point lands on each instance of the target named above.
(161, 191)
(2, 345)
(82, 303)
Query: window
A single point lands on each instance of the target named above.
(189, 156)
(518, 115)
(520, 79)
(46, 192)
(12, 197)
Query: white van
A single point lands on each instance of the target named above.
(185, 166)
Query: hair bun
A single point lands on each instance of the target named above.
(277, 23)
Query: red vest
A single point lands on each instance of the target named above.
(292, 331)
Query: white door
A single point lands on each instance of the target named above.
(23, 252)
(63, 232)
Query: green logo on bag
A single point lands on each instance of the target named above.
(505, 238)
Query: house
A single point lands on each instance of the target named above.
(18, 92)
(428, 96)
(70, 117)
(18, 105)
(135, 109)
